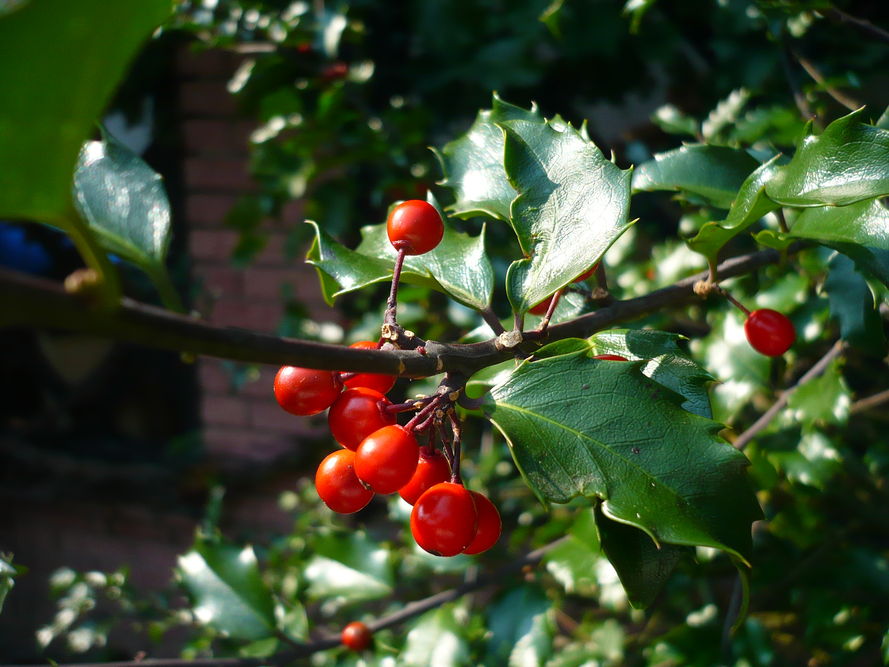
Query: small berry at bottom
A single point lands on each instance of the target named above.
(339, 486)
(356, 414)
(356, 636)
(489, 525)
(306, 391)
(444, 519)
(769, 332)
(432, 469)
(382, 383)
(387, 458)
(610, 357)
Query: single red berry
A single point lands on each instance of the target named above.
(543, 306)
(387, 458)
(356, 414)
(335, 70)
(610, 357)
(306, 391)
(356, 636)
(414, 225)
(586, 275)
(769, 332)
(444, 519)
(339, 486)
(489, 525)
(382, 383)
(432, 469)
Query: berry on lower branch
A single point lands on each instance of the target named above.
(769, 332)
(339, 486)
(387, 458)
(356, 636)
(444, 519)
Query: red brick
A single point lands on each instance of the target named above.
(221, 281)
(247, 315)
(219, 410)
(262, 386)
(223, 138)
(232, 444)
(214, 378)
(212, 244)
(266, 283)
(214, 64)
(217, 174)
(206, 98)
(208, 209)
(268, 415)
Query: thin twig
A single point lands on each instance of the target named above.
(835, 351)
(491, 319)
(802, 104)
(392, 302)
(869, 402)
(862, 26)
(850, 103)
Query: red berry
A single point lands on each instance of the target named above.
(489, 525)
(334, 71)
(339, 486)
(543, 306)
(432, 469)
(356, 636)
(444, 519)
(414, 225)
(387, 458)
(356, 414)
(610, 357)
(769, 332)
(382, 383)
(305, 391)
(586, 275)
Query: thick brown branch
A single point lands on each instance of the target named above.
(35, 302)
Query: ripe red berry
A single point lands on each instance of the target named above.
(387, 458)
(338, 485)
(586, 275)
(769, 332)
(489, 525)
(610, 357)
(356, 636)
(382, 383)
(414, 225)
(305, 391)
(356, 414)
(444, 519)
(432, 469)
(543, 306)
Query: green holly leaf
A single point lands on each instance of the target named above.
(666, 363)
(853, 304)
(459, 266)
(672, 121)
(348, 568)
(521, 632)
(577, 426)
(642, 565)
(774, 239)
(573, 562)
(76, 52)
(873, 261)
(436, 639)
(473, 164)
(749, 206)
(572, 206)
(824, 400)
(712, 172)
(847, 163)
(864, 223)
(227, 589)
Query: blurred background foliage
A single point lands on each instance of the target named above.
(347, 96)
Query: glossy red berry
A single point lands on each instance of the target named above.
(305, 391)
(356, 414)
(414, 225)
(586, 275)
(356, 636)
(338, 485)
(769, 332)
(382, 383)
(610, 357)
(432, 469)
(489, 525)
(444, 519)
(543, 306)
(387, 458)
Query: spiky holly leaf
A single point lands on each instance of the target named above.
(577, 426)
(852, 303)
(473, 164)
(572, 206)
(864, 223)
(847, 163)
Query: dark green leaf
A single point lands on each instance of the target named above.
(473, 164)
(348, 568)
(228, 591)
(673, 121)
(642, 565)
(845, 164)
(774, 239)
(815, 461)
(75, 52)
(666, 364)
(872, 260)
(852, 303)
(520, 630)
(582, 427)
(436, 639)
(865, 223)
(573, 562)
(824, 400)
(712, 172)
(572, 206)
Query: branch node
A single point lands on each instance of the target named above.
(508, 340)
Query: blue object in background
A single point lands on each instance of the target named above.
(21, 253)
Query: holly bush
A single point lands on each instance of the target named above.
(668, 494)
